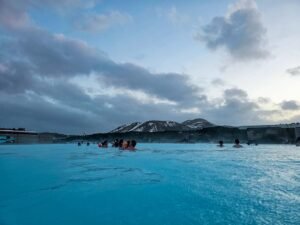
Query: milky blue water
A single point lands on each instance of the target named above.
(159, 184)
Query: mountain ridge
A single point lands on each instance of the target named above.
(163, 125)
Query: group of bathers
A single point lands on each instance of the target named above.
(121, 144)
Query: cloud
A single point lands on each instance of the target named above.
(235, 109)
(264, 100)
(290, 105)
(295, 119)
(100, 22)
(218, 82)
(241, 32)
(56, 104)
(37, 88)
(34, 112)
(36, 72)
(175, 17)
(294, 71)
(235, 93)
(41, 54)
(13, 13)
(63, 107)
(14, 76)
(130, 76)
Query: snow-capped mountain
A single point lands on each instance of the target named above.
(126, 128)
(159, 126)
(151, 126)
(197, 123)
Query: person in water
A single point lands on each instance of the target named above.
(221, 144)
(125, 145)
(120, 144)
(128, 145)
(132, 145)
(116, 143)
(105, 144)
(237, 144)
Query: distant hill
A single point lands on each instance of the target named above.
(161, 126)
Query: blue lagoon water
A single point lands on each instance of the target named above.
(159, 184)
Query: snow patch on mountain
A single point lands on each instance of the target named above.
(197, 123)
(126, 128)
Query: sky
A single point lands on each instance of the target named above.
(87, 66)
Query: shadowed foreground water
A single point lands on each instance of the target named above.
(158, 185)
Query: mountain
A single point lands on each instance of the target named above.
(151, 126)
(159, 126)
(126, 128)
(197, 123)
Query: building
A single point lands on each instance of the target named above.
(18, 136)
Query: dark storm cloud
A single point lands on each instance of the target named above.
(33, 112)
(294, 71)
(241, 33)
(290, 105)
(44, 113)
(14, 77)
(172, 86)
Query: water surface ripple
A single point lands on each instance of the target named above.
(159, 184)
